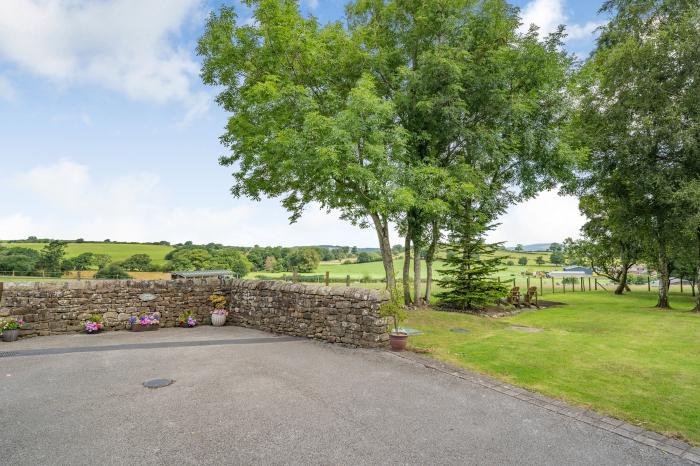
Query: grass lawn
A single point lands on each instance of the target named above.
(615, 354)
(117, 251)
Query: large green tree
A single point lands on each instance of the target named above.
(639, 115)
(482, 106)
(306, 124)
(388, 117)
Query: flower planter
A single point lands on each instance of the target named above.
(93, 332)
(218, 320)
(144, 328)
(398, 341)
(10, 335)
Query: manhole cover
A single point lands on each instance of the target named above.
(518, 328)
(157, 383)
(459, 330)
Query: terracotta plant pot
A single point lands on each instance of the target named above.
(398, 341)
(10, 335)
(144, 328)
(218, 320)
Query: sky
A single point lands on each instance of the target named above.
(106, 130)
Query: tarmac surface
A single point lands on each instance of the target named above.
(242, 396)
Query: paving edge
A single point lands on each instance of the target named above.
(666, 444)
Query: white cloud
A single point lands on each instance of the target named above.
(16, 226)
(64, 200)
(7, 90)
(549, 14)
(546, 218)
(313, 4)
(122, 45)
(138, 206)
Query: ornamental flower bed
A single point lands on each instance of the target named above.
(93, 324)
(187, 320)
(145, 322)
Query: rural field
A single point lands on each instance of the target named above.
(118, 251)
(615, 354)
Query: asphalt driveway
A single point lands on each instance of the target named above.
(247, 397)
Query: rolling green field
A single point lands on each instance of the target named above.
(615, 354)
(118, 251)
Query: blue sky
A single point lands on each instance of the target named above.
(107, 132)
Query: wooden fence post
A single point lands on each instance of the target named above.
(541, 287)
(347, 280)
(528, 283)
(295, 276)
(552, 285)
(589, 283)
(563, 286)
(596, 284)
(328, 278)
(648, 282)
(681, 283)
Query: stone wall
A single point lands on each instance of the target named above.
(334, 314)
(50, 308)
(346, 315)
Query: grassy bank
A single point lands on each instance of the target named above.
(117, 251)
(615, 354)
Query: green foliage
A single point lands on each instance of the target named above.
(365, 257)
(113, 271)
(557, 258)
(95, 318)
(469, 277)
(218, 301)
(303, 260)
(638, 121)
(18, 259)
(51, 256)
(522, 260)
(138, 263)
(394, 310)
(539, 260)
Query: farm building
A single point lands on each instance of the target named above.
(571, 271)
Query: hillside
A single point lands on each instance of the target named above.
(118, 251)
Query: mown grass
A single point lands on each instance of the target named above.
(615, 354)
(117, 251)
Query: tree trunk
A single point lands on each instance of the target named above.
(429, 258)
(382, 227)
(622, 283)
(416, 274)
(407, 270)
(697, 271)
(664, 281)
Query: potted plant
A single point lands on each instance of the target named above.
(145, 322)
(93, 324)
(394, 310)
(218, 315)
(10, 329)
(187, 320)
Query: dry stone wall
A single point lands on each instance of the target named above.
(345, 315)
(334, 314)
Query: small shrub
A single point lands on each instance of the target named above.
(187, 319)
(218, 301)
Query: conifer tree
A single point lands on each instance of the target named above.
(470, 280)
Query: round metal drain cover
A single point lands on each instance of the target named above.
(157, 383)
(459, 330)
